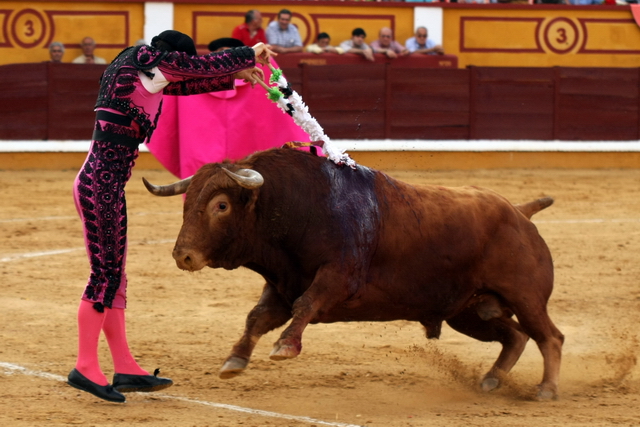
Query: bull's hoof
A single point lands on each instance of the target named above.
(490, 383)
(547, 392)
(233, 367)
(283, 351)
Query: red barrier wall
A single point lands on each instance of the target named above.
(373, 101)
(382, 101)
(48, 101)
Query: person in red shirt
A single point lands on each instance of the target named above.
(251, 31)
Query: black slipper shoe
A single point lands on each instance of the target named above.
(106, 392)
(143, 383)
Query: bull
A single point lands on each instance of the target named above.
(338, 245)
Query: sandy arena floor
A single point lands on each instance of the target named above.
(373, 374)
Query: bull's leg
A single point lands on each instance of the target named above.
(433, 328)
(317, 299)
(536, 322)
(486, 319)
(270, 313)
(524, 281)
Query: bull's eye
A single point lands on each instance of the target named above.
(219, 204)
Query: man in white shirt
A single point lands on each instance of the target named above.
(421, 44)
(88, 45)
(282, 35)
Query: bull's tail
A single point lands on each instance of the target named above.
(531, 208)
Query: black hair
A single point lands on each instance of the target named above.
(171, 40)
(248, 17)
(162, 45)
(226, 42)
(285, 12)
(358, 32)
(323, 36)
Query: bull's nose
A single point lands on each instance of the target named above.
(189, 259)
(183, 260)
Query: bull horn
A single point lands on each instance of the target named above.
(179, 187)
(247, 178)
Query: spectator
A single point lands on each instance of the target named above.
(322, 45)
(56, 52)
(88, 46)
(387, 45)
(421, 43)
(357, 45)
(251, 31)
(282, 35)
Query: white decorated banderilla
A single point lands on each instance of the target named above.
(291, 103)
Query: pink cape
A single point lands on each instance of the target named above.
(209, 128)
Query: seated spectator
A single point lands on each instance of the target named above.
(88, 45)
(251, 31)
(420, 44)
(56, 52)
(282, 35)
(322, 45)
(387, 45)
(357, 45)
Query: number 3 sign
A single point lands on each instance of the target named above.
(28, 28)
(561, 35)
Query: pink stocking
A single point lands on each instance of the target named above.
(89, 326)
(115, 330)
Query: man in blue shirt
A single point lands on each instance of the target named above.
(282, 36)
(421, 44)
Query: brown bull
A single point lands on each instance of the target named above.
(336, 244)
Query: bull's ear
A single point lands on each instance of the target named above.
(179, 187)
(247, 178)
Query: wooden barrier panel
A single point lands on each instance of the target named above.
(348, 101)
(427, 104)
(73, 90)
(48, 101)
(24, 104)
(597, 103)
(512, 103)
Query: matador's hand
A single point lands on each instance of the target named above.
(250, 75)
(263, 53)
